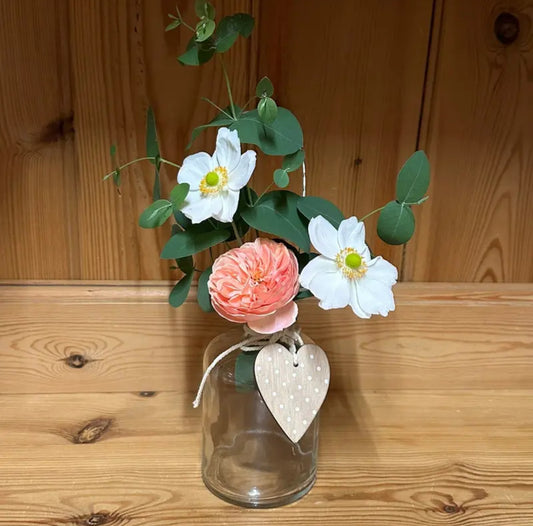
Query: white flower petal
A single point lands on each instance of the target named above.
(324, 237)
(228, 149)
(354, 303)
(380, 269)
(352, 235)
(198, 207)
(241, 174)
(194, 169)
(374, 297)
(336, 293)
(228, 206)
(320, 266)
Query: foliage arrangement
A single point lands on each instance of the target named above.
(212, 202)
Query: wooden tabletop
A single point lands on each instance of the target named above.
(429, 420)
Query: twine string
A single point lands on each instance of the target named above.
(254, 341)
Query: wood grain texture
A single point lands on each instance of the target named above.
(353, 73)
(94, 338)
(84, 73)
(387, 458)
(477, 130)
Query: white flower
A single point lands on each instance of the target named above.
(215, 180)
(344, 274)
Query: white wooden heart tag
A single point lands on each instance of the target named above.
(293, 394)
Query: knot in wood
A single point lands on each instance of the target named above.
(76, 361)
(97, 518)
(506, 28)
(147, 394)
(92, 431)
(451, 508)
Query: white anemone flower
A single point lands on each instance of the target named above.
(215, 180)
(344, 273)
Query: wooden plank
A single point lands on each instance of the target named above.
(357, 90)
(130, 339)
(476, 125)
(38, 216)
(353, 72)
(386, 458)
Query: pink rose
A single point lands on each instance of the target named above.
(256, 284)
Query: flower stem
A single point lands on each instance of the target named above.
(236, 232)
(373, 212)
(183, 21)
(228, 86)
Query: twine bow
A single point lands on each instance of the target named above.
(254, 341)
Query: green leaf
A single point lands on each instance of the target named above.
(204, 29)
(180, 291)
(264, 88)
(302, 294)
(186, 264)
(187, 243)
(204, 299)
(204, 9)
(113, 152)
(281, 178)
(396, 223)
(225, 35)
(156, 191)
(245, 371)
(173, 25)
(311, 207)
(220, 120)
(243, 23)
(156, 214)
(282, 137)
(293, 161)
(267, 110)
(197, 52)
(181, 219)
(152, 147)
(277, 213)
(413, 179)
(178, 194)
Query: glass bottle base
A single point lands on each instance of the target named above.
(253, 501)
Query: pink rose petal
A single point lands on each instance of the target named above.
(281, 319)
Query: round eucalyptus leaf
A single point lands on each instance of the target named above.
(281, 178)
(267, 110)
(396, 223)
(264, 88)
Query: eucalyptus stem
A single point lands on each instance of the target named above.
(217, 107)
(165, 161)
(236, 232)
(128, 164)
(120, 168)
(373, 212)
(211, 254)
(265, 191)
(228, 86)
(183, 21)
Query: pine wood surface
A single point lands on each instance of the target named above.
(428, 420)
(82, 73)
(476, 129)
(386, 458)
(99, 338)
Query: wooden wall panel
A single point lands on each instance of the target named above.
(85, 71)
(478, 133)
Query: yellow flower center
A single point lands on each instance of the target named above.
(214, 181)
(350, 262)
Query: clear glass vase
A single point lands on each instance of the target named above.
(247, 459)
